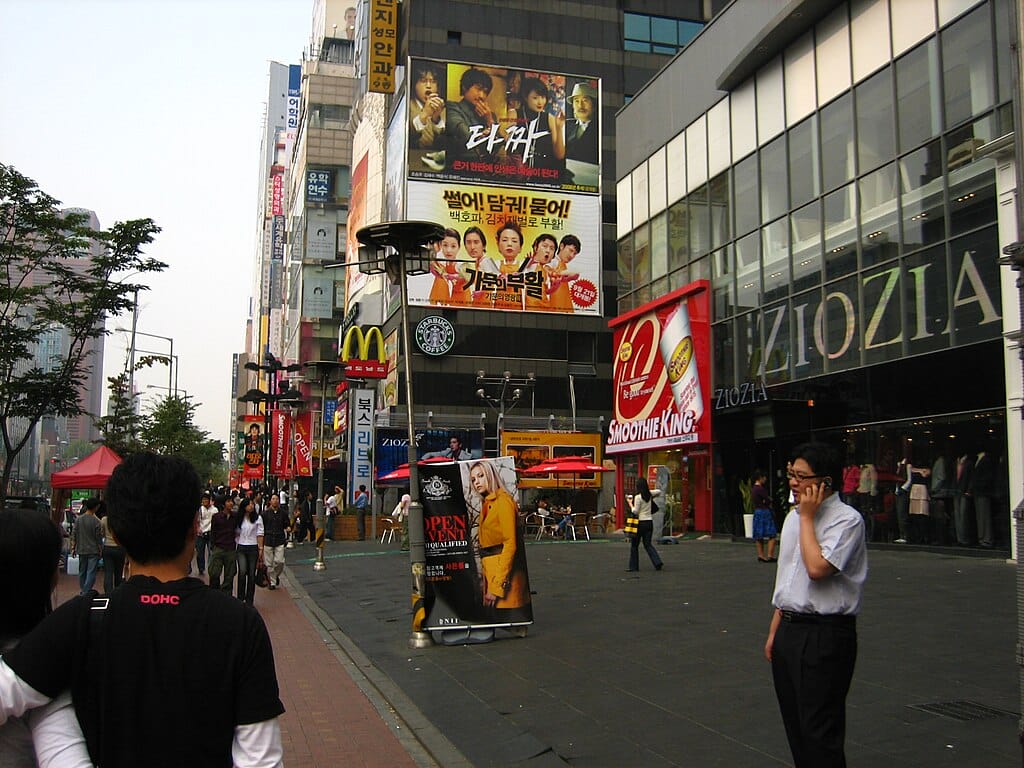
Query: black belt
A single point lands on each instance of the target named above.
(491, 551)
(833, 619)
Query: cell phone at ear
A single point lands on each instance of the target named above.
(827, 483)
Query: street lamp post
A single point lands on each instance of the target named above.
(499, 391)
(272, 366)
(323, 370)
(170, 378)
(399, 249)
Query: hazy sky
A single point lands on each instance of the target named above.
(138, 108)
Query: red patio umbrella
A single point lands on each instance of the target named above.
(566, 465)
(401, 472)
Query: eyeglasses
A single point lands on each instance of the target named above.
(799, 476)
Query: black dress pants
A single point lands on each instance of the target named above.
(812, 666)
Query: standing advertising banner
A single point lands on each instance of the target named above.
(280, 456)
(476, 572)
(510, 249)
(302, 437)
(662, 376)
(356, 219)
(252, 465)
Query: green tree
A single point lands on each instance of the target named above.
(169, 429)
(56, 272)
(121, 425)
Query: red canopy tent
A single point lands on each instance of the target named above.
(91, 472)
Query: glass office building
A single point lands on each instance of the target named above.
(830, 173)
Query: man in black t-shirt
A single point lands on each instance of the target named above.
(166, 672)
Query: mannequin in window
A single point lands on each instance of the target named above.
(982, 488)
(962, 499)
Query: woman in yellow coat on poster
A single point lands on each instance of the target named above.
(504, 580)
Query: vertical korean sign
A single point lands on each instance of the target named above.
(475, 558)
(662, 381)
(383, 45)
(360, 455)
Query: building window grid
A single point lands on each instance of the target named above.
(645, 33)
(640, 293)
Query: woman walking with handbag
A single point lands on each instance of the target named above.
(643, 501)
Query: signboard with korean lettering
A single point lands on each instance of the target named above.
(383, 46)
(277, 235)
(360, 455)
(319, 185)
(662, 376)
(509, 249)
(277, 194)
(294, 97)
(482, 124)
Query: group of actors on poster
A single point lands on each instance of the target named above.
(505, 123)
(540, 281)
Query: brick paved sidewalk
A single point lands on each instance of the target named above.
(330, 720)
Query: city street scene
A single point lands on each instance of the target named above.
(606, 383)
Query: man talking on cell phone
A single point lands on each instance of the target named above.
(812, 640)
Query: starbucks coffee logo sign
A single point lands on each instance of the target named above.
(435, 336)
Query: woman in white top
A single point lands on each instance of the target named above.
(642, 501)
(249, 550)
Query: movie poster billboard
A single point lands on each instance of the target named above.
(662, 374)
(476, 574)
(252, 462)
(512, 249)
(475, 124)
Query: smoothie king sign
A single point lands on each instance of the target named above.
(662, 377)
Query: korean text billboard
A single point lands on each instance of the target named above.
(662, 375)
(510, 249)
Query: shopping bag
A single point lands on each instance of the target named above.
(632, 524)
(73, 566)
(261, 576)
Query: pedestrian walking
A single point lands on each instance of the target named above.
(812, 639)
(275, 536)
(643, 509)
(223, 557)
(206, 511)
(113, 557)
(250, 550)
(164, 672)
(87, 543)
(765, 532)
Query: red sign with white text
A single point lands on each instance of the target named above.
(280, 430)
(302, 437)
(662, 378)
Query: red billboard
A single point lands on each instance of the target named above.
(302, 437)
(280, 429)
(252, 463)
(662, 378)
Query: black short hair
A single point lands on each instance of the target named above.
(92, 503)
(541, 238)
(473, 77)
(571, 240)
(757, 474)
(153, 501)
(30, 545)
(478, 231)
(822, 458)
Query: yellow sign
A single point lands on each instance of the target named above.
(383, 45)
(531, 448)
(360, 366)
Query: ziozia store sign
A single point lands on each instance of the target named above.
(904, 309)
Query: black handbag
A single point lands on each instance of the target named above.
(262, 580)
(654, 506)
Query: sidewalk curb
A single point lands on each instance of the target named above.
(425, 744)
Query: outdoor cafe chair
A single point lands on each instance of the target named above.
(580, 523)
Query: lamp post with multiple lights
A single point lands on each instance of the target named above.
(279, 391)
